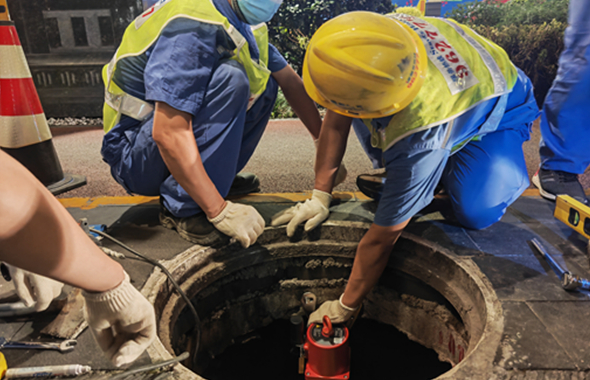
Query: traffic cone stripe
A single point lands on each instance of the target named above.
(13, 135)
(18, 97)
(22, 120)
(8, 35)
(12, 59)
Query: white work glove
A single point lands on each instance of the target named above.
(241, 222)
(34, 289)
(335, 310)
(122, 320)
(340, 174)
(314, 210)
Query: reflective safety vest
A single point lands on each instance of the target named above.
(464, 70)
(142, 33)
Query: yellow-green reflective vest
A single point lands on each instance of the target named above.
(144, 32)
(464, 70)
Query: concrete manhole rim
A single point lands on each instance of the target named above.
(478, 362)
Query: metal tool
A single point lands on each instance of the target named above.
(569, 281)
(64, 346)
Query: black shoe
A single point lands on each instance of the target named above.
(244, 183)
(552, 183)
(196, 229)
(371, 184)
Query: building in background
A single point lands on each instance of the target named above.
(66, 43)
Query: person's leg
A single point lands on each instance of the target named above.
(134, 157)
(564, 130)
(486, 176)
(219, 130)
(256, 120)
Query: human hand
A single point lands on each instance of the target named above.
(241, 222)
(340, 174)
(314, 210)
(34, 289)
(122, 321)
(335, 310)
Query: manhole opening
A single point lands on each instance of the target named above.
(379, 351)
(415, 323)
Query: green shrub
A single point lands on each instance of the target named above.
(533, 48)
(282, 109)
(514, 12)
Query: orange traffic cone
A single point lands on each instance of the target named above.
(24, 133)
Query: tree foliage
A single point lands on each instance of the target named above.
(297, 20)
(531, 32)
(515, 12)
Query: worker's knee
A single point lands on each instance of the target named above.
(479, 218)
(230, 79)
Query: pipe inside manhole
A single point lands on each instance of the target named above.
(427, 300)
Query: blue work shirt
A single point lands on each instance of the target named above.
(416, 163)
(177, 68)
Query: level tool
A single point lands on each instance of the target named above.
(573, 213)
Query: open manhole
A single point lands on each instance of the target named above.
(430, 305)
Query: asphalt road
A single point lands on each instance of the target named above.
(283, 160)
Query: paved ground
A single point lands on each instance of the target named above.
(545, 332)
(283, 159)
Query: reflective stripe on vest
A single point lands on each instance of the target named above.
(141, 34)
(464, 70)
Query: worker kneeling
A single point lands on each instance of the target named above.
(433, 102)
(188, 95)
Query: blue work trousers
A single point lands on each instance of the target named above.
(488, 173)
(226, 136)
(565, 128)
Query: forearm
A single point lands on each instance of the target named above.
(370, 260)
(178, 148)
(332, 144)
(295, 94)
(39, 235)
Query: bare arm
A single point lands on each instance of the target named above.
(294, 92)
(39, 235)
(332, 144)
(371, 259)
(174, 136)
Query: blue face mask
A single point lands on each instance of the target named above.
(257, 11)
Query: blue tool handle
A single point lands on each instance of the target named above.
(552, 263)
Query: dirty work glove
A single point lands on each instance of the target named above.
(335, 310)
(314, 210)
(122, 320)
(340, 174)
(34, 289)
(241, 222)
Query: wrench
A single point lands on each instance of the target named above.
(569, 281)
(64, 346)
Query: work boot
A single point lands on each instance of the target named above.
(552, 183)
(371, 184)
(244, 183)
(196, 229)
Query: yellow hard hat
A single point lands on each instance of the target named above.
(363, 64)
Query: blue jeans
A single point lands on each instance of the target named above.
(226, 135)
(565, 129)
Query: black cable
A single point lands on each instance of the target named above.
(150, 367)
(190, 305)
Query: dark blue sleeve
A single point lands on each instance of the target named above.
(276, 61)
(414, 167)
(180, 65)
